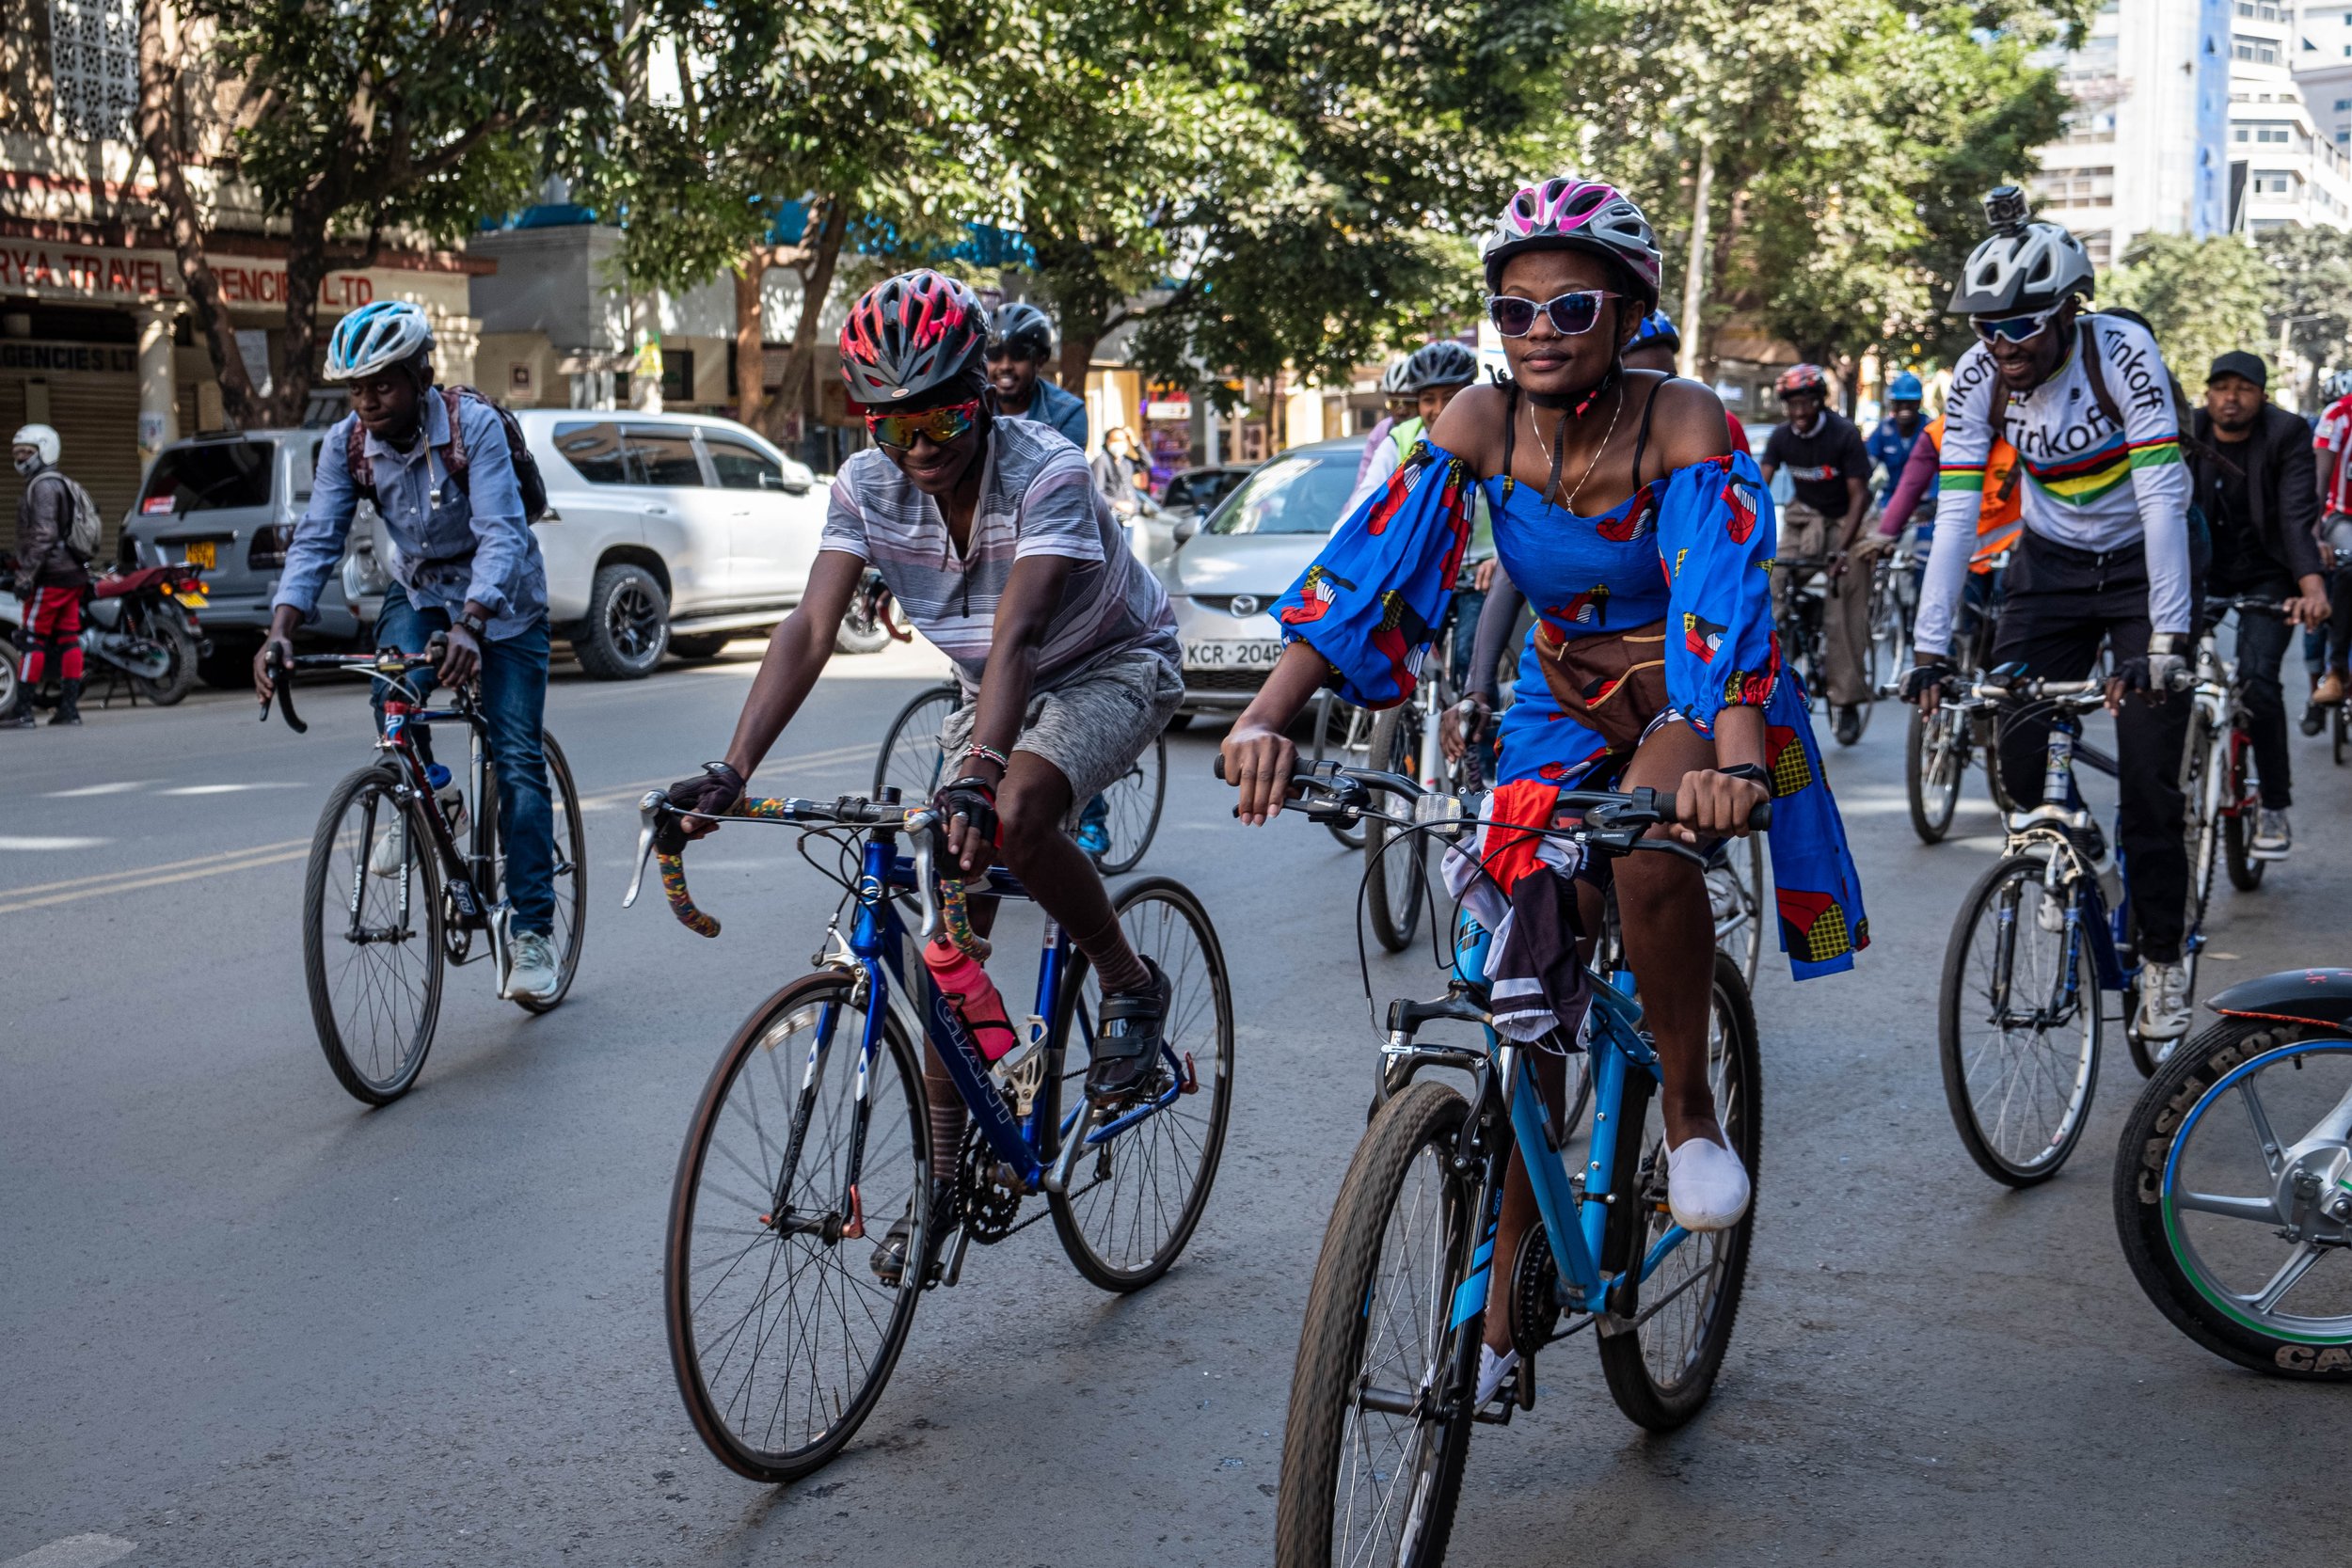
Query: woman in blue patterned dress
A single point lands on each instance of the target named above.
(1619, 507)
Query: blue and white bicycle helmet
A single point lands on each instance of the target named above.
(375, 338)
(1657, 331)
(1906, 388)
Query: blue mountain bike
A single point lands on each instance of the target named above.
(812, 1137)
(1382, 1397)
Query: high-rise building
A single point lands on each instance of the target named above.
(2288, 166)
(2145, 149)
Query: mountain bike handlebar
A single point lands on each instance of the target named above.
(944, 905)
(1329, 791)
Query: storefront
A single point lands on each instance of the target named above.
(100, 342)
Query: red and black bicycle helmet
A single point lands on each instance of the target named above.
(1796, 380)
(910, 334)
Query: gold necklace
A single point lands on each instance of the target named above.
(1560, 432)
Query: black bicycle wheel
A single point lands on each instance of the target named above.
(371, 937)
(913, 757)
(1396, 864)
(2223, 1194)
(2339, 732)
(1379, 1428)
(781, 1333)
(571, 873)
(1346, 737)
(1135, 1195)
(1935, 757)
(1661, 1371)
(1131, 809)
(1735, 897)
(2237, 834)
(2020, 1049)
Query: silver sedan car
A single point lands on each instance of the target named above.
(1228, 569)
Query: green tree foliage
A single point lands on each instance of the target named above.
(358, 117)
(2203, 297)
(1849, 141)
(2313, 292)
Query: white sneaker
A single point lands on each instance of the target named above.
(2163, 1013)
(532, 975)
(1707, 1186)
(1492, 1370)
(391, 850)
(2273, 838)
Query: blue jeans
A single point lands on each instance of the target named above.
(514, 701)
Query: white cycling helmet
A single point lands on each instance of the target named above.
(2024, 266)
(43, 440)
(376, 337)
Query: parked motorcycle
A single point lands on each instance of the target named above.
(142, 623)
(869, 626)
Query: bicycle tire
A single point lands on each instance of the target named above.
(361, 1069)
(2203, 788)
(1632, 1361)
(1951, 1046)
(2339, 734)
(1126, 817)
(681, 1292)
(1396, 864)
(1740, 877)
(1414, 1138)
(917, 764)
(1350, 727)
(1087, 1224)
(2159, 1242)
(2246, 872)
(571, 876)
(1933, 800)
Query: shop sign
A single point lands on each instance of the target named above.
(1168, 403)
(68, 358)
(58, 272)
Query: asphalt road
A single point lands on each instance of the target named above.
(243, 1321)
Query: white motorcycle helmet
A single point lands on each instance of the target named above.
(43, 440)
(2024, 266)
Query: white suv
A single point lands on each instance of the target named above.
(667, 531)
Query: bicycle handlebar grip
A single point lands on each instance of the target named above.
(770, 808)
(1759, 816)
(955, 918)
(281, 689)
(673, 868)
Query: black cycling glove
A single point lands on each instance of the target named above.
(972, 798)
(712, 792)
(2157, 671)
(1922, 679)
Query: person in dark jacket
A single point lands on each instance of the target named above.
(1020, 341)
(50, 580)
(2255, 477)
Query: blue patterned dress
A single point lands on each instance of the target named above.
(1691, 549)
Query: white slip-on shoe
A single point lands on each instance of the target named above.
(1492, 1370)
(1707, 1186)
(2163, 1013)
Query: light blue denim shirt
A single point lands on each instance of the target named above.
(475, 545)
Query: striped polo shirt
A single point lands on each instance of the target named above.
(1037, 498)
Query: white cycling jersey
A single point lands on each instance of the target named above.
(2087, 485)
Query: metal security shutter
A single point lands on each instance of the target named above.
(97, 420)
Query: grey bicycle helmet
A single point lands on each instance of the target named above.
(2023, 266)
(1021, 328)
(1396, 380)
(1443, 363)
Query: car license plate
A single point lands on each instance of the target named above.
(1258, 653)
(203, 553)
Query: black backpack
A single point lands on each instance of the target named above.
(527, 476)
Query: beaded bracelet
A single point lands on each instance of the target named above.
(991, 753)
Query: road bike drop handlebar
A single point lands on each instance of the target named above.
(942, 902)
(1329, 792)
(389, 664)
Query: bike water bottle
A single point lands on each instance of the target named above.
(452, 800)
(961, 978)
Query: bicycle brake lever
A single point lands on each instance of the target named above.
(648, 817)
(282, 690)
(920, 824)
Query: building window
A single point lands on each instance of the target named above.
(2273, 181)
(2343, 104)
(2259, 50)
(94, 48)
(2261, 10)
(2098, 246)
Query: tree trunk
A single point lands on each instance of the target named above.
(750, 338)
(1694, 271)
(787, 420)
(159, 130)
(1077, 356)
(306, 269)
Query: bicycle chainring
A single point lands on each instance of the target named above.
(1534, 1293)
(990, 1206)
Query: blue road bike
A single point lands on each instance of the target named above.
(1381, 1409)
(812, 1137)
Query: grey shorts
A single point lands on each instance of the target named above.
(1092, 727)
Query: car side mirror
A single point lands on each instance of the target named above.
(1186, 527)
(784, 482)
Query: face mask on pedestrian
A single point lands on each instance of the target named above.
(29, 461)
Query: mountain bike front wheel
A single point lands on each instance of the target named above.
(1934, 758)
(1378, 1429)
(1661, 1371)
(1139, 1191)
(782, 1329)
(2223, 1197)
(372, 953)
(2018, 1021)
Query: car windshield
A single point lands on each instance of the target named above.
(1301, 493)
(212, 477)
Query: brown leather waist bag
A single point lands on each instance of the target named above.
(1613, 683)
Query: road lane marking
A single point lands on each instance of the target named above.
(120, 787)
(37, 845)
(229, 789)
(75, 1551)
(250, 861)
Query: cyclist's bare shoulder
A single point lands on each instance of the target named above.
(1472, 427)
(1687, 425)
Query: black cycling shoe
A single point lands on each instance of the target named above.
(889, 1261)
(1848, 724)
(1127, 1038)
(2315, 719)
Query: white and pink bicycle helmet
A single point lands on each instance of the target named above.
(1563, 213)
